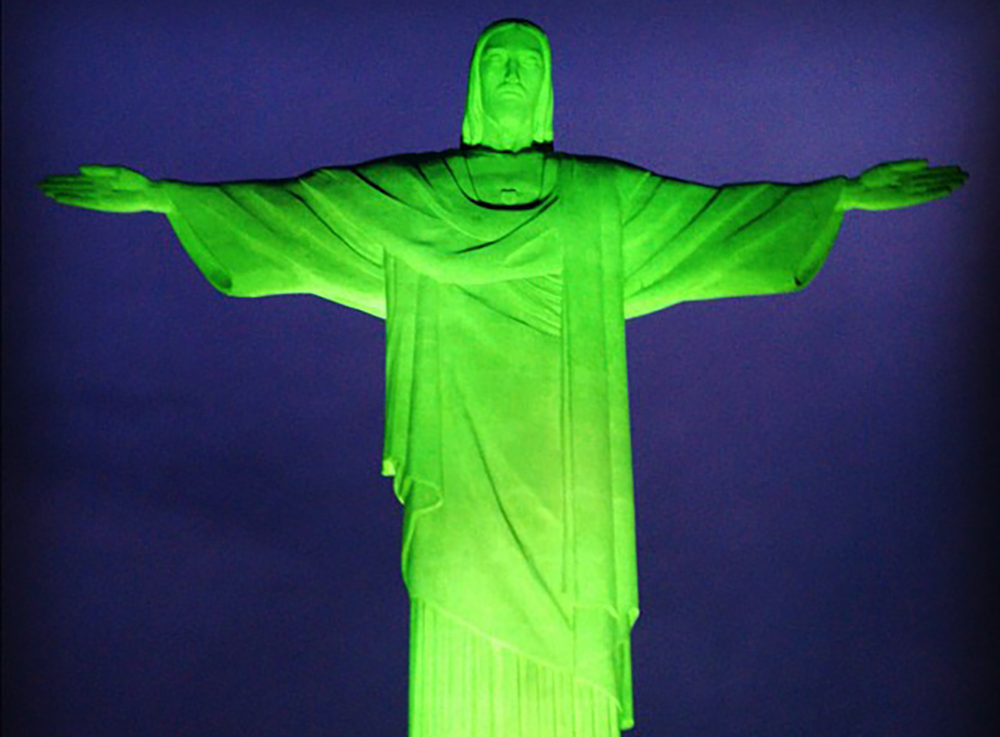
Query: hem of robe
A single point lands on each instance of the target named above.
(210, 266)
(419, 499)
(464, 683)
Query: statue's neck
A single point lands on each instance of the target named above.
(508, 135)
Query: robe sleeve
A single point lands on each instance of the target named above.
(684, 242)
(257, 239)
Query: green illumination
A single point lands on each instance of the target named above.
(505, 272)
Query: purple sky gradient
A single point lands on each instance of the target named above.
(196, 537)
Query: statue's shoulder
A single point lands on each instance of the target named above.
(597, 163)
(409, 161)
(621, 175)
(393, 162)
(631, 178)
(394, 172)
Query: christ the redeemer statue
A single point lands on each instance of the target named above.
(505, 272)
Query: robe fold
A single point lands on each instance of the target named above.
(507, 410)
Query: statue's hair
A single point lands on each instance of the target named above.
(472, 124)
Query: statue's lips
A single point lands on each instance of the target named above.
(510, 90)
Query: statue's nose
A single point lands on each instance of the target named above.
(512, 70)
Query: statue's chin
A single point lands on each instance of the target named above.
(508, 110)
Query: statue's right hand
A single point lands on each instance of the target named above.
(106, 188)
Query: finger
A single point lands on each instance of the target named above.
(932, 179)
(935, 177)
(59, 178)
(64, 192)
(76, 191)
(939, 182)
(913, 199)
(99, 170)
(931, 170)
(909, 164)
(951, 167)
(89, 203)
(949, 170)
(926, 189)
(74, 200)
(78, 183)
(946, 172)
(934, 193)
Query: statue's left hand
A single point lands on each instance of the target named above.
(897, 184)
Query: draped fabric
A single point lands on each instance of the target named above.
(463, 682)
(506, 409)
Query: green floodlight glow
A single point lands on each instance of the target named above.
(505, 272)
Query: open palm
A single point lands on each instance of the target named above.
(106, 188)
(897, 184)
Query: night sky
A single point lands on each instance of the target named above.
(197, 540)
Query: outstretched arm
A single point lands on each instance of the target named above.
(249, 239)
(897, 184)
(109, 189)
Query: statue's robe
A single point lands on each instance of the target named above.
(507, 411)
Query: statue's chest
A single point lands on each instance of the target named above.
(509, 183)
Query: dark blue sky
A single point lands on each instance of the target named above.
(196, 537)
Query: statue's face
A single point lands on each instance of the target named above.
(511, 74)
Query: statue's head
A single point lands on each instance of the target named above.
(510, 83)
